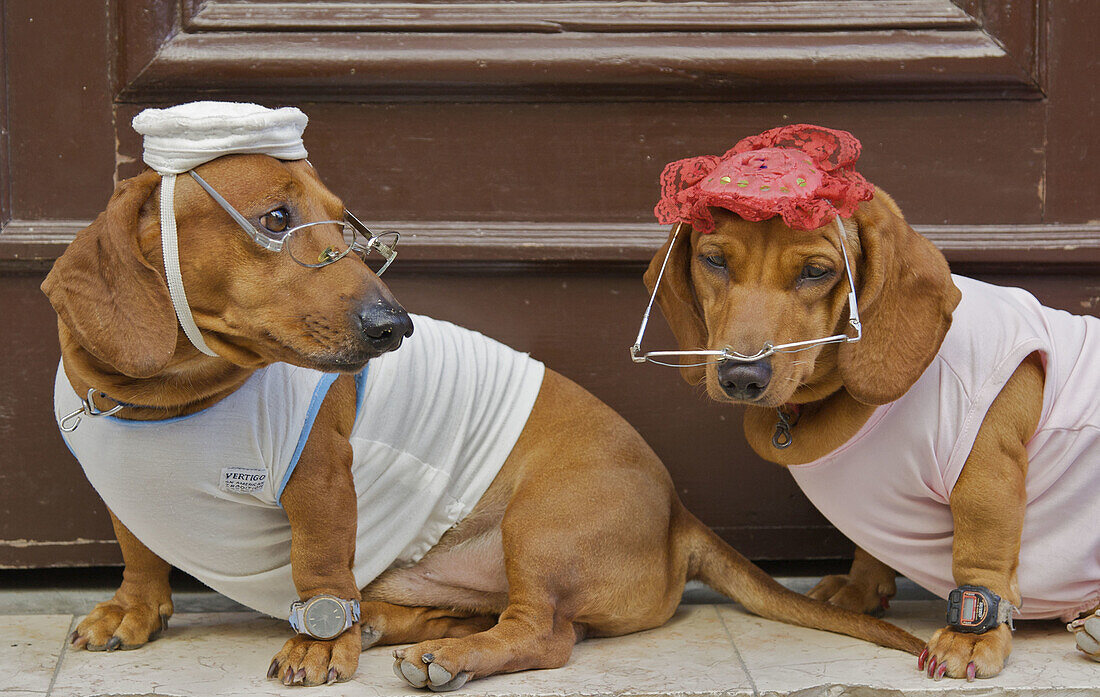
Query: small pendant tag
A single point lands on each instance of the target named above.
(782, 437)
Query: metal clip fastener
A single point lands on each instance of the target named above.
(783, 437)
(87, 408)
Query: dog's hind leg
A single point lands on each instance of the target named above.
(141, 606)
(584, 540)
(386, 623)
(532, 633)
(867, 587)
(528, 636)
(454, 646)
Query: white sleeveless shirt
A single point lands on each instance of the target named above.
(888, 488)
(435, 421)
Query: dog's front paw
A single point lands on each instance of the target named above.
(1087, 631)
(959, 655)
(122, 624)
(307, 661)
(850, 593)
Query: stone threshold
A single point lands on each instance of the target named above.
(706, 650)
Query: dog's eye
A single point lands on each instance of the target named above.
(811, 272)
(718, 262)
(276, 220)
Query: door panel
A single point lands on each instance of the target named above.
(517, 146)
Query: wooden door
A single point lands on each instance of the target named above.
(517, 146)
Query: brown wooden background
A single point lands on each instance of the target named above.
(517, 144)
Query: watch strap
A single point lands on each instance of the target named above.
(1005, 611)
(295, 617)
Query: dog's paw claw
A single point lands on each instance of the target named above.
(1092, 625)
(438, 674)
(971, 671)
(453, 684)
(427, 658)
(415, 676)
(273, 669)
(1087, 634)
(331, 676)
(1086, 643)
(113, 643)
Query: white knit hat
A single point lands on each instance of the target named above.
(182, 137)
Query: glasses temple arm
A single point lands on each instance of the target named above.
(853, 307)
(356, 223)
(233, 213)
(653, 296)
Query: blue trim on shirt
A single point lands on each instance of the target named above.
(361, 389)
(66, 442)
(154, 422)
(319, 394)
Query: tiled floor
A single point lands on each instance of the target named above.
(707, 649)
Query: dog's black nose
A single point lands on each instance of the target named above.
(385, 325)
(744, 381)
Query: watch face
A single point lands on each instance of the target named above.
(324, 618)
(973, 609)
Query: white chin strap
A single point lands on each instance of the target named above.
(170, 247)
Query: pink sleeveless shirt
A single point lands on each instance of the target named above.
(888, 488)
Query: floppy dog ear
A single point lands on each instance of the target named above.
(676, 296)
(108, 295)
(906, 298)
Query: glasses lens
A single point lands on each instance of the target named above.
(383, 250)
(377, 251)
(320, 244)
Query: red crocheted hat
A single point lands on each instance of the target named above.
(801, 172)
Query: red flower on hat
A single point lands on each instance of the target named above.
(805, 174)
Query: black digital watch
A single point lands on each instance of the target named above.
(976, 610)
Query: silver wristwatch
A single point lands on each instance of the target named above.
(323, 616)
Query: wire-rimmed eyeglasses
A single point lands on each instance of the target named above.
(727, 354)
(311, 244)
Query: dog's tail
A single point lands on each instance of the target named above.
(721, 567)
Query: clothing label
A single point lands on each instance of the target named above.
(242, 480)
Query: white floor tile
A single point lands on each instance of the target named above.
(29, 648)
